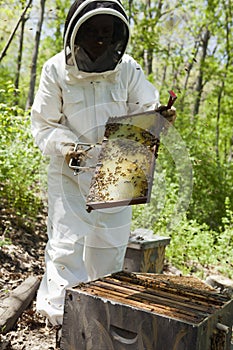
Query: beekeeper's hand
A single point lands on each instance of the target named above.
(169, 114)
(79, 155)
(69, 153)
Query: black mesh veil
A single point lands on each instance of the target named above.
(75, 30)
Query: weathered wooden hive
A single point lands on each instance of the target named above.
(145, 252)
(141, 311)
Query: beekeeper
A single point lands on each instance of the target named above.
(91, 80)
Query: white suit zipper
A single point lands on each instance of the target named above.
(95, 102)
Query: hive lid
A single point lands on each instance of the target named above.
(146, 238)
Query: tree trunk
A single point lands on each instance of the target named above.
(4, 51)
(199, 86)
(188, 70)
(19, 60)
(148, 52)
(148, 58)
(130, 3)
(35, 56)
(218, 121)
(222, 87)
(230, 158)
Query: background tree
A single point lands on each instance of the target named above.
(21, 19)
(32, 83)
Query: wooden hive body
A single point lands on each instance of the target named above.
(126, 311)
(145, 252)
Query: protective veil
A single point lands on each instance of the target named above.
(76, 96)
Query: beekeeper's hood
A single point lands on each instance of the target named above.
(96, 35)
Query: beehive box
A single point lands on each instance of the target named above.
(125, 169)
(145, 252)
(128, 311)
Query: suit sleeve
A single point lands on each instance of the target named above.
(47, 120)
(142, 95)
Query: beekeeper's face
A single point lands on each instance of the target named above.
(95, 35)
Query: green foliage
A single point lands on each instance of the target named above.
(20, 160)
(194, 248)
(5, 241)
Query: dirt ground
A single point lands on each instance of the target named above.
(30, 333)
(23, 257)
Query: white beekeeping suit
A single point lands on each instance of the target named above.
(76, 96)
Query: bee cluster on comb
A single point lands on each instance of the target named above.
(124, 173)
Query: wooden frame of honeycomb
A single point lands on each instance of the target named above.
(125, 169)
